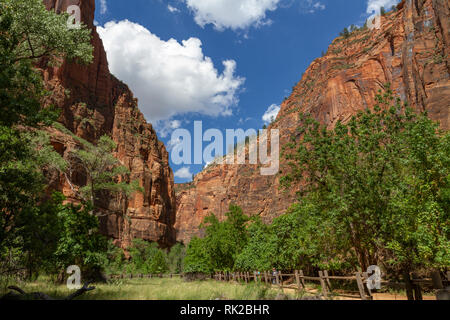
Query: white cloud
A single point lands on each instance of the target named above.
(271, 114)
(103, 6)
(374, 6)
(169, 78)
(233, 14)
(172, 9)
(242, 14)
(319, 6)
(183, 173)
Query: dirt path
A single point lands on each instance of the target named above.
(376, 296)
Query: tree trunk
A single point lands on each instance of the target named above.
(408, 285)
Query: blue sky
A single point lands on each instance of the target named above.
(225, 65)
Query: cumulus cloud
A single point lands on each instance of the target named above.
(242, 14)
(103, 6)
(183, 173)
(233, 14)
(374, 6)
(271, 113)
(169, 78)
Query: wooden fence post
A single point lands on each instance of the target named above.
(323, 284)
(366, 277)
(302, 279)
(327, 279)
(297, 280)
(280, 279)
(255, 276)
(265, 277)
(360, 283)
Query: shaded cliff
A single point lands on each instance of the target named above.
(410, 51)
(94, 103)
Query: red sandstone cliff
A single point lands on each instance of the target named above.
(411, 51)
(94, 103)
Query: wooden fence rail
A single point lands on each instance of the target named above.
(140, 275)
(297, 281)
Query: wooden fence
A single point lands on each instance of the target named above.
(298, 280)
(142, 276)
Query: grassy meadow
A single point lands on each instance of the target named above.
(158, 289)
(178, 289)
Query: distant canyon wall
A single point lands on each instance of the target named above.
(410, 51)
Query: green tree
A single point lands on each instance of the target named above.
(79, 242)
(103, 170)
(146, 258)
(225, 240)
(175, 258)
(28, 35)
(222, 244)
(380, 182)
(115, 259)
(197, 258)
(260, 250)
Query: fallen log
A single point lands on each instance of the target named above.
(22, 295)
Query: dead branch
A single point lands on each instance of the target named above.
(42, 296)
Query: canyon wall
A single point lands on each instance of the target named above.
(410, 51)
(94, 103)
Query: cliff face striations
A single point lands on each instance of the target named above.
(95, 103)
(411, 51)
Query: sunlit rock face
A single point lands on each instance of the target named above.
(93, 103)
(411, 51)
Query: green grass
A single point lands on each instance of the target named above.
(159, 289)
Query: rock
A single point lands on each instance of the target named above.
(411, 51)
(94, 103)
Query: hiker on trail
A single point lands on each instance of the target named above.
(274, 275)
(258, 274)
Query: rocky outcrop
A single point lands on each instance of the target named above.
(94, 103)
(410, 51)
